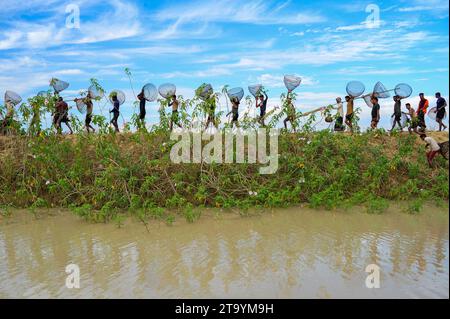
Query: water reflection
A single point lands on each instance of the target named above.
(296, 253)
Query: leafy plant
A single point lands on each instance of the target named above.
(415, 206)
(377, 205)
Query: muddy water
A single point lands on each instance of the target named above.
(295, 253)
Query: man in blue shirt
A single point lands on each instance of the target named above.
(116, 112)
(440, 112)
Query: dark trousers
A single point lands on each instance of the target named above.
(263, 111)
(421, 117)
(142, 112)
(339, 124)
(114, 120)
(88, 120)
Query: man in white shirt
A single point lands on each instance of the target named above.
(434, 148)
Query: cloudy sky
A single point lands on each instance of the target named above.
(237, 43)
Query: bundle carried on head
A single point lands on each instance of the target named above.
(12, 98)
(403, 90)
(96, 92)
(167, 90)
(292, 82)
(236, 94)
(355, 88)
(120, 96)
(58, 85)
(205, 91)
(150, 92)
(255, 90)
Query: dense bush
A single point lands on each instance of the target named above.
(99, 176)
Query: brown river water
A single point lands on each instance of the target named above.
(294, 253)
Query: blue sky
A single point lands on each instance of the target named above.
(238, 43)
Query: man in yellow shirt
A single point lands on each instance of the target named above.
(349, 116)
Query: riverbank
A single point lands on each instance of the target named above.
(99, 177)
(24, 216)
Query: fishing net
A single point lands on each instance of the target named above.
(205, 91)
(367, 99)
(12, 97)
(81, 106)
(58, 85)
(236, 94)
(255, 90)
(167, 90)
(444, 149)
(432, 114)
(355, 88)
(403, 90)
(380, 91)
(292, 82)
(120, 96)
(403, 121)
(96, 92)
(150, 92)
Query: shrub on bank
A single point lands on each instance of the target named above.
(100, 176)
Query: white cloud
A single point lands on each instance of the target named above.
(353, 27)
(40, 35)
(359, 71)
(252, 12)
(121, 21)
(422, 8)
(360, 26)
(332, 48)
(277, 81)
(267, 44)
(68, 72)
(437, 6)
(19, 63)
(10, 39)
(199, 19)
(205, 73)
(298, 34)
(8, 8)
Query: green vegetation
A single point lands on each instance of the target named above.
(103, 176)
(100, 177)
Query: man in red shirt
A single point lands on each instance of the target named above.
(61, 115)
(421, 111)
